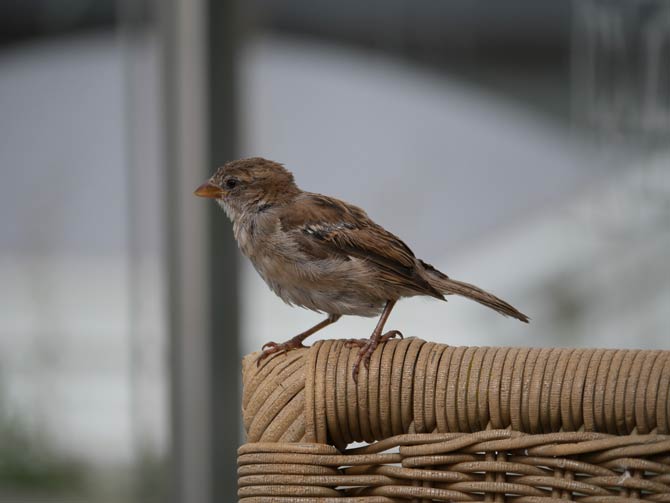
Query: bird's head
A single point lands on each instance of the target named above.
(249, 185)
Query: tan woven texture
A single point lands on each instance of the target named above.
(456, 424)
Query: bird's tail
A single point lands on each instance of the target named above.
(450, 286)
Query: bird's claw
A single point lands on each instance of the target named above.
(351, 343)
(367, 347)
(271, 348)
(391, 334)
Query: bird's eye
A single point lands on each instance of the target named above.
(231, 183)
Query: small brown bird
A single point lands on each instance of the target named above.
(324, 254)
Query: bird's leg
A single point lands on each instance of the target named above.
(295, 342)
(368, 345)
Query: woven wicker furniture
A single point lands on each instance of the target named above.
(456, 424)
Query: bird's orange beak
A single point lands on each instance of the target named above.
(208, 189)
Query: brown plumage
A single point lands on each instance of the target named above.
(326, 255)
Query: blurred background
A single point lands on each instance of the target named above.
(522, 146)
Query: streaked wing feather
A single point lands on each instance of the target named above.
(326, 225)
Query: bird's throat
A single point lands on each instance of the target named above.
(230, 210)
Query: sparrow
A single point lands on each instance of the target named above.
(326, 255)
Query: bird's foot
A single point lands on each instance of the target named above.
(391, 334)
(367, 347)
(359, 343)
(273, 348)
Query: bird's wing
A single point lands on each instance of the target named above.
(324, 226)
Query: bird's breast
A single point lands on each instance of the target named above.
(337, 285)
(329, 285)
(256, 234)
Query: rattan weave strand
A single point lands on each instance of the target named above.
(413, 386)
(457, 424)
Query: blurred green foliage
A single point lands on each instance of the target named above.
(27, 463)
